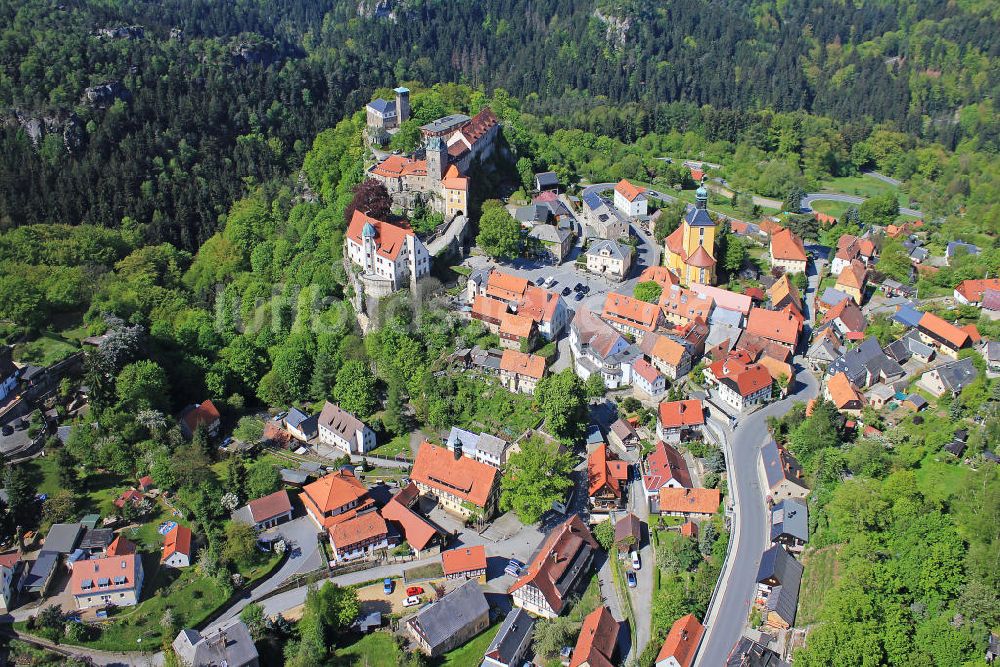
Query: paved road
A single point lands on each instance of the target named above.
(642, 594)
(882, 177)
(808, 200)
(727, 617)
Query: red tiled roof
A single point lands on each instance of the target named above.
(416, 530)
(744, 377)
(396, 166)
(477, 127)
(853, 275)
(485, 308)
(177, 540)
(270, 506)
(500, 285)
(463, 477)
(553, 557)
(843, 393)
(700, 258)
(645, 370)
(755, 293)
(786, 245)
(973, 332)
(120, 547)
(517, 326)
(530, 365)
(659, 274)
(689, 529)
(627, 190)
(973, 290)
(665, 463)
(933, 324)
(389, 237)
(665, 349)
(849, 313)
(605, 471)
(690, 501)
(598, 636)
(724, 298)
(463, 559)
(108, 569)
(453, 179)
(206, 413)
(779, 325)
(682, 640)
(677, 414)
(360, 528)
(332, 492)
(131, 495)
(684, 303)
(631, 312)
(10, 559)
(146, 482)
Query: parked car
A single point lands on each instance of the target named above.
(579, 296)
(632, 581)
(578, 287)
(411, 601)
(514, 567)
(540, 280)
(414, 590)
(387, 586)
(550, 281)
(636, 563)
(566, 291)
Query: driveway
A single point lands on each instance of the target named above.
(642, 594)
(730, 607)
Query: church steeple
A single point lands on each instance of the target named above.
(701, 196)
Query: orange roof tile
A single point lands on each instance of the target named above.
(943, 331)
(485, 308)
(776, 368)
(690, 501)
(333, 491)
(659, 274)
(631, 312)
(462, 477)
(515, 361)
(663, 464)
(205, 413)
(176, 541)
(360, 528)
(853, 275)
(389, 239)
(843, 393)
(645, 370)
(552, 559)
(604, 470)
(397, 166)
(416, 530)
(517, 326)
(700, 258)
(667, 350)
(684, 303)
(270, 506)
(973, 290)
(627, 190)
(453, 179)
(689, 529)
(598, 637)
(783, 293)
(682, 640)
(779, 325)
(463, 559)
(120, 547)
(678, 414)
(786, 245)
(500, 285)
(121, 573)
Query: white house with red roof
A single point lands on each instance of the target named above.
(664, 468)
(9, 564)
(178, 547)
(390, 255)
(740, 381)
(111, 581)
(200, 414)
(630, 199)
(680, 420)
(266, 512)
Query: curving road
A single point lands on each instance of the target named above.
(848, 199)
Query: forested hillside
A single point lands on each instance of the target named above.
(203, 99)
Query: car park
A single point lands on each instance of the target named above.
(414, 590)
(632, 581)
(411, 601)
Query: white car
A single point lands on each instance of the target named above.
(636, 563)
(411, 601)
(550, 281)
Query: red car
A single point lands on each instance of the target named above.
(414, 590)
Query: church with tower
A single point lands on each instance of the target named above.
(690, 249)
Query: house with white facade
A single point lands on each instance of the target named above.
(390, 255)
(339, 428)
(630, 199)
(599, 348)
(609, 258)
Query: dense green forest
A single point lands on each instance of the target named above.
(206, 100)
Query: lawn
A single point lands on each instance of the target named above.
(820, 572)
(44, 350)
(378, 649)
(862, 186)
(472, 652)
(398, 445)
(940, 476)
(719, 204)
(830, 207)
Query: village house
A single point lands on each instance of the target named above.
(516, 331)
(607, 477)
(546, 181)
(844, 395)
(690, 249)
(483, 447)
(679, 421)
(335, 497)
(779, 326)
(465, 563)
(390, 255)
(783, 473)
(8, 371)
(231, 646)
(681, 306)
(556, 570)
(826, 348)
(628, 532)
(867, 364)
(729, 308)
(830, 298)
(750, 653)
(623, 435)
(783, 295)
(110, 581)
(599, 348)
(790, 523)
(598, 640)
(10, 567)
(461, 485)
(778, 579)
(788, 252)
(741, 382)
(943, 336)
(647, 380)
(666, 354)
(956, 249)
(424, 538)
(266, 512)
(512, 642)
(664, 468)
(948, 378)
(681, 644)
(342, 430)
(879, 396)
(362, 535)
(603, 218)
(204, 415)
(853, 280)
(630, 199)
(178, 548)
(520, 372)
(852, 248)
(689, 503)
(970, 292)
(609, 258)
(846, 317)
(450, 621)
(546, 308)
(300, 425)
(631, 316)
(554, 240)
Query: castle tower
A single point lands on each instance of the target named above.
(437, 159)
(402, 105)
(368, 234)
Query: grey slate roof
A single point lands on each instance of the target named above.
(231, 646)
(866, 361)
(468, 440)
(445, 123)
(340, 421)
(549, 234)
(440, 620)
(748, 653)
(956, 375)
(492, 445)
(300, 420)
(383, 106)
(546, 179)
(515, 632)
(699, 217)
(823, 350)
(993, 351)
(779, 465)
(907, 315)
(790, 517)
(534, 213)
(63, 537)
(613, 248)
(41, 570)
(955, 245)
(831, 296)
(781, 567)
(97, 538)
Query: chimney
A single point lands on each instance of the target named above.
(684, 635)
